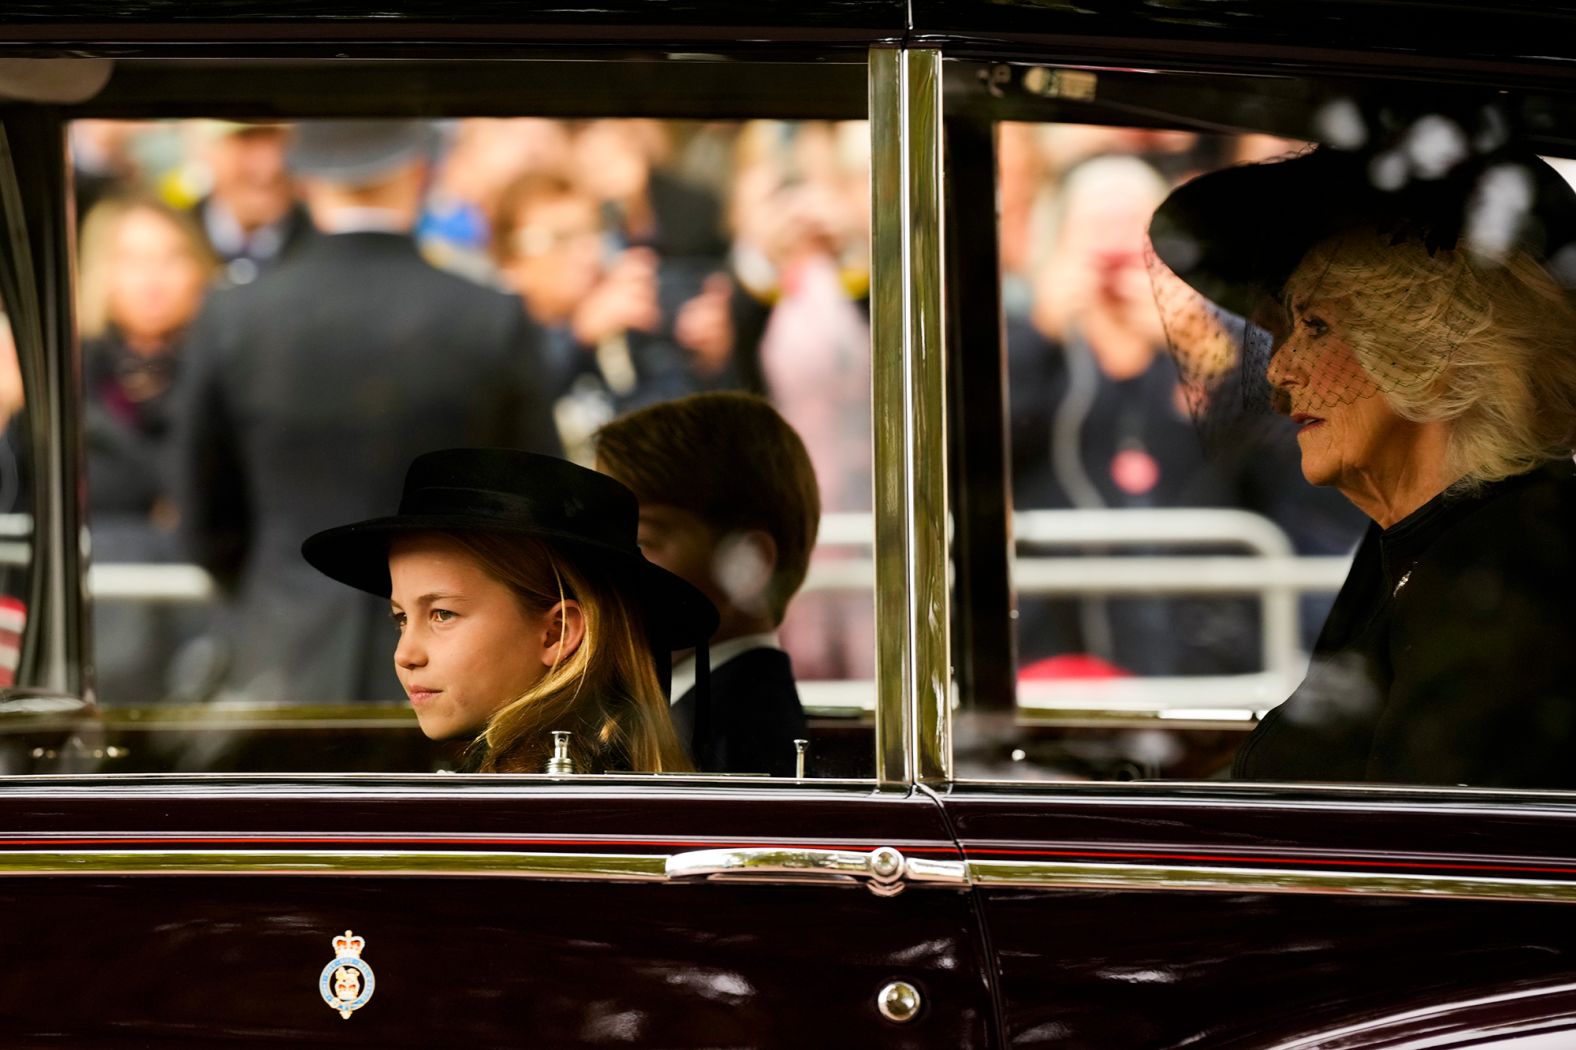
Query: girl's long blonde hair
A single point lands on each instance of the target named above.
(605, 693)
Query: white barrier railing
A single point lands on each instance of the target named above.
(1271, 570)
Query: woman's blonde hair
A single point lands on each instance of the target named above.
(1486, 344)
(95, 249)
(605, 693)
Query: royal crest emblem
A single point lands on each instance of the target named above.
(347, 981)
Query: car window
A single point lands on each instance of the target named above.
(1187, 484)
(573, 268)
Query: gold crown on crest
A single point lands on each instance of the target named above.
(348, 943)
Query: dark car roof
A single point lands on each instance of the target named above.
(599, 21)
(1523, 31)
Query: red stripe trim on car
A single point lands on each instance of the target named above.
(373, 840)
(1276, 861)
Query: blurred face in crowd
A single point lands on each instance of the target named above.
(612, 160)
(803, 192)
(156, 278)
(102, 147)
(489, 152)
(250, 176)
(467, 644)
(10, 372)
(1096, 280)
(1104, 233)
(555, 254)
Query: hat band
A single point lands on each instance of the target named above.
(505, 510)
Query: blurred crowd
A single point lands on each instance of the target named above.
(659, 258)
(1102, 418)
(655, 253)
(653, 259)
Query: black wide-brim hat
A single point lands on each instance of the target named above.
(496, 490)
(1236, 235)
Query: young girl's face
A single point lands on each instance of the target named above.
(466, 644)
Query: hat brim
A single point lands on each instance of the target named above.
(676, 615)
(1236, 235)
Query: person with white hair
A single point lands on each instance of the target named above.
(1424, 344)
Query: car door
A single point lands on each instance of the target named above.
(247, 874)
(562, 913)
(1132, 895)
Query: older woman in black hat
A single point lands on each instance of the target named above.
(524, 606)
(1425, 346)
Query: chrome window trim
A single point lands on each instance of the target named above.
(1186, 795)
(909, 873)
(1266, 794)
(52, 641)
(626, 867)
(909, 457)
(623, 867)
(309, 787)
(1172, 878)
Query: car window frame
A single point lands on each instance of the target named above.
(972, 103)
(65, 637)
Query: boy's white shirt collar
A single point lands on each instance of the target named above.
(721, 653)
(352, 219)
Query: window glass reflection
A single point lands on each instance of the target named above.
(1235, 360)
(1125, 484)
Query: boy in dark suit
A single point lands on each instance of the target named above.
(728, 502)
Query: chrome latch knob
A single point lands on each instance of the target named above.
(884, 870)
(799, 749)
(887, 866)
(899, 1002)
(560, 763)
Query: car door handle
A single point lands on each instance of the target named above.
(884, 870)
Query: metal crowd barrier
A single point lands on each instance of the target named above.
(1270, 570)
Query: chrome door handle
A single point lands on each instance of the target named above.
(884, 870)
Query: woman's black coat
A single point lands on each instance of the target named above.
(1450, 654)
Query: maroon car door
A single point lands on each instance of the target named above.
(1106, 662)
(211, 912)
(1126, 916)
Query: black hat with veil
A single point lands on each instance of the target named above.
(1391, 227)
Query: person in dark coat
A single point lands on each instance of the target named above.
(1427, 360)
(143, 273)
(728, 501)
(306, 394)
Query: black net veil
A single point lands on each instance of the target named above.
(1330, 275)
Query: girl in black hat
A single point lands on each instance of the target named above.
(524, 606)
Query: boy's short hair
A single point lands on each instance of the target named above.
(730, 460)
